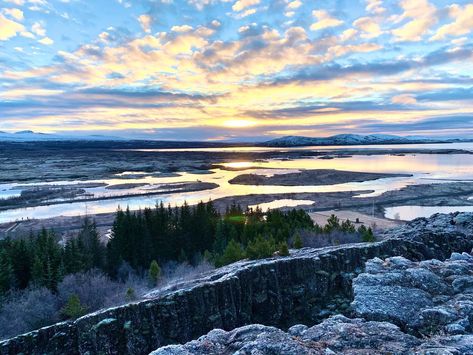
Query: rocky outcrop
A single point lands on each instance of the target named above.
(424, 298)
(306, 287)
(337, 334)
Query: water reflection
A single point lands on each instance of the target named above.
(408, 213)
(426, 168)
(282, 203)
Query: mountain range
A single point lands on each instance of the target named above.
(353, 139)
(286, 141)
(30, 136)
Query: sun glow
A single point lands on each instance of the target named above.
(239, 123)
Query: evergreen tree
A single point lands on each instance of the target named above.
(92, 248)
(333, 223)
(297, 241)
(367, 235)
(6, 272)
(130, 295)
(154, 273)
(21, 262)
(73, 308)
(233, 252)
(260, 248)
(283, 249)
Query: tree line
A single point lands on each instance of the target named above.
(143, 240)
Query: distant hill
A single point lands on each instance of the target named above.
(350, 139)
(30, 136)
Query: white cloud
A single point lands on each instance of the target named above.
(181, 29)
(421, 15)
(246, 13)
(145, 22)
(46, 41)
(16, 14)
(375, 6)
(324, 20)
(243, 4)
(462, 24)
(348, 34)
(15, 2)
(27, 34)
(9, 28)
(38, 29)
(369, 27)
(294, 4)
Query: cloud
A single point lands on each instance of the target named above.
(15, 2)
(375, 6)
(181, 29)
(188, 72)
(324, 20)
(9, 28)
(294, 4)
(404, 99)
(429, 124)
(38, 29)
(46, 41)
(348, 34)
(369, 27)
(15, 14)
(462, 24)
(420, 16)
(145, 22)
(243, 4)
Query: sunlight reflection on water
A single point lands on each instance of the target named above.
(426, 168)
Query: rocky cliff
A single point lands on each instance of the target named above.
(306, 287)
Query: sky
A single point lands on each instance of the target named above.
(236, 70)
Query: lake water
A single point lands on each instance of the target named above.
(426, 168)
(408, 213)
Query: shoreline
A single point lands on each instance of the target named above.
(428, 195)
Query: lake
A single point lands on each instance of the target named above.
(426, 168)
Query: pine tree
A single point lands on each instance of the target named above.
(73, 308)
(233, 252)
(6, 273)
(130, 295)
(368, 236)
(89, 241)
(21, 262)
(260, 248)
(297, 243)
(283, 249)
(154, 273)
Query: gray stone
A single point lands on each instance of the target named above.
(336, 335)
(425, 298)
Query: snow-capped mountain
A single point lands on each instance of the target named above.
(348, 139)
(30, 136)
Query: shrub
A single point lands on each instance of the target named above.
(233, 252)
(154, 273)
(260, 248)
(283, 249)
(94, 289)
(73, 308)
(368, 236)
(130, 294)
(26, 310)
(297, 243)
